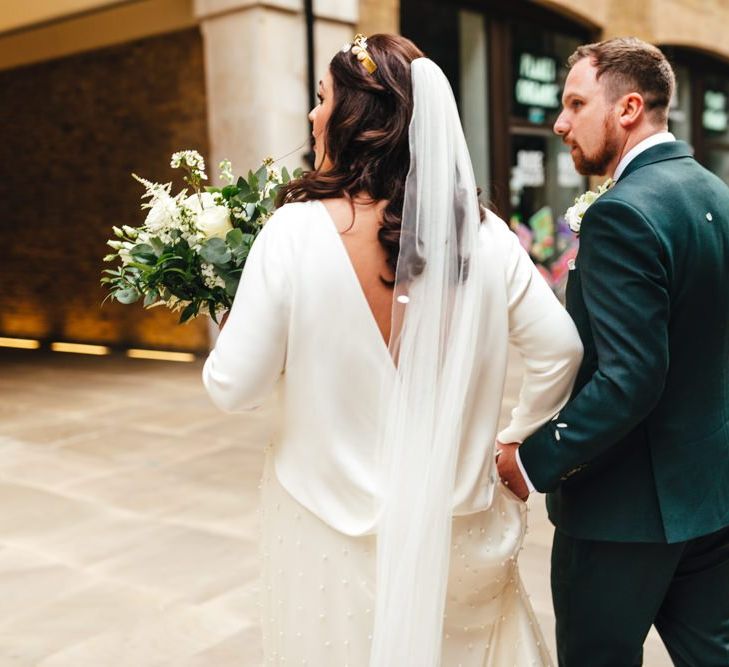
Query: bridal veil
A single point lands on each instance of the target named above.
(436, 316)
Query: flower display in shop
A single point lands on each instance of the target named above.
(551, 245)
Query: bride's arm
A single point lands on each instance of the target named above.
(547, 340)
(250, 352)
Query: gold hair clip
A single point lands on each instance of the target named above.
(359, 49)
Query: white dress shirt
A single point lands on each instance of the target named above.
(301, 327)
(648, 142)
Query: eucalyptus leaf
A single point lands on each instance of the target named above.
(262, 175)
(144, 253)
(127, 296)
(252, 181)
(243, 187)
(234, 238)
(215, 251)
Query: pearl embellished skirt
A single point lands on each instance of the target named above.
(318, 588)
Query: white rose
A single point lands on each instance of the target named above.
(214, 222)
(575, 213)
(193, 202)
(211, 219)
(162, 214)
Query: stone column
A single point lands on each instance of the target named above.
(335, 25)
(255, 69)
(379, 16)
(256, 76)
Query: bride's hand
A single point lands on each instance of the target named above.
(509, 471)
(224, 319)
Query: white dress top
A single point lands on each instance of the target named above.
(301, 326)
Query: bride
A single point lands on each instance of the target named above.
(377, 307)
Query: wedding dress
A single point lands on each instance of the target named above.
(301, 330)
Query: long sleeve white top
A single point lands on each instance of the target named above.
(301, 324)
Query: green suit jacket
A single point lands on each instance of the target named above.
(640, 453)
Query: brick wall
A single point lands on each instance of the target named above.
(71, 132)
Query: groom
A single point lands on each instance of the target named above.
(637, 463)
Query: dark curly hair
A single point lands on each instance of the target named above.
(367, 140)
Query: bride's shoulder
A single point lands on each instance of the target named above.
(495, 234)
(294, 218)
(294, 211)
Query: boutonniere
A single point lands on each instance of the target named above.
(576, 212)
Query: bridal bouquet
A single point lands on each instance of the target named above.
(189, 253)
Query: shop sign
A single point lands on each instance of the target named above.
(528, 171)
(715, 118)
(537, 83)
(567, 175)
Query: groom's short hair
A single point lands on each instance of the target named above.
(631, 65)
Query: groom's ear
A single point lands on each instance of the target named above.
(631, 110)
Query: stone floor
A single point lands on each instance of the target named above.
(128, 520)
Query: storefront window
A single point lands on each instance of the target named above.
(715, 124)
(473, 87)
(543, 182)
(700, 107)
(507, 72)
(679, 115)
(715, 111)
(538, 58)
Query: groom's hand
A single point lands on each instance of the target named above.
(508, 469)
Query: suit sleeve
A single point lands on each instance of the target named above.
(625, 290)
(546, 339)
(250, 352)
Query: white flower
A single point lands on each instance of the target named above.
(192, 159)
(214, 222)
(125, 254)
(175, 304)
(162, 214)
(226, 171)
(210, 278)
(211, 218)
(576, 212)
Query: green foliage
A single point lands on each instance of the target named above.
(177, 266)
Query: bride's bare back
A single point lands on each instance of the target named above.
(367, 255)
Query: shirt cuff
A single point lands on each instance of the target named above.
(530, 486)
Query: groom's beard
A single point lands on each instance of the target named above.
(597, 164)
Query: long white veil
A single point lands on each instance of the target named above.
(436, 317)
